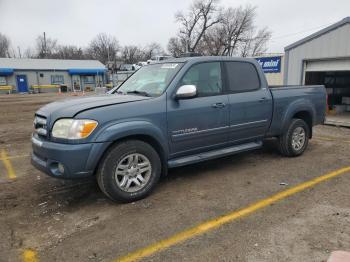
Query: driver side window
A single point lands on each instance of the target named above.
(206, 77)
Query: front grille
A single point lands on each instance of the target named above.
(40, 126)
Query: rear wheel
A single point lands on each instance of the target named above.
(296, 138)
(129, 171)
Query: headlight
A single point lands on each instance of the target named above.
(73, 128)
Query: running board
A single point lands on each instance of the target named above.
(182, 161)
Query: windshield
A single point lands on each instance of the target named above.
(150, 80)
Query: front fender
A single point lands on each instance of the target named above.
(296, 107)
(132, 128)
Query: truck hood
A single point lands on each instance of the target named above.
(73, 106)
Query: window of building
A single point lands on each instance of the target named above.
(206, 77)
(89, 80)
(57, 79)
(242, 76)
(3, 81)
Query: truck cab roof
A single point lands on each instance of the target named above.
(207, 59)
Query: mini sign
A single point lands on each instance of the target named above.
(270, 64)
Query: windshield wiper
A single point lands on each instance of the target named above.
(142, 93)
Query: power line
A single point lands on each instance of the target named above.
(300, 32)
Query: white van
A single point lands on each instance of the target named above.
(157, 58)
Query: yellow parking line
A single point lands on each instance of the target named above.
(29, 255)
(14, 157)
(7, 163)
(219, 221)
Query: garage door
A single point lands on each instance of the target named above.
(328, 65)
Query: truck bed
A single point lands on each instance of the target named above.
(286, 98)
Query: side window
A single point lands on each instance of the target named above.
(89, 79)
(3, 81)
(206, 77)
(242, 76)
(57, 80)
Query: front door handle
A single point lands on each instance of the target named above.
(219, 105)
(263, 99)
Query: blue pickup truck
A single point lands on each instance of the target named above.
(170, 114)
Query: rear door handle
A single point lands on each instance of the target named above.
(219, 105)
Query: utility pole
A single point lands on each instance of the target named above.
(19, 52)
(45, 51)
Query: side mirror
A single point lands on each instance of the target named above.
(186, 91)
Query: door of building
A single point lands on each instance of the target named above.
(22, 84)
(76, 83)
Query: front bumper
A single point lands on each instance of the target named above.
(78, 160)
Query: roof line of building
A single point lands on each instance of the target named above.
(44, 59)
(55, 64)
(344, 21)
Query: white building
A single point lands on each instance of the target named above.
(43, 75)
(323, 58)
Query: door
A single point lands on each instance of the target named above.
(22, 84)
(76, 83)
(250, 102)
(201, 123)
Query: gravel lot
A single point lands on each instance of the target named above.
(73, 221)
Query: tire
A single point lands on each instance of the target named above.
(119, 172)
(288, 146)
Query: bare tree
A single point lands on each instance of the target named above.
(237, 26)
(259, 42)
(213, 42)
(4, 46)
(132, 54)
(45, 47)
(176, 46)
(103, 48)
(69, 52)
(29, 53)
(236, 34)
(152, 49)
(256, 44)
(202, 15)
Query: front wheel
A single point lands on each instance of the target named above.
(296, 138)
(129, 171)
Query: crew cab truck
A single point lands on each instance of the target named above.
(170, 114)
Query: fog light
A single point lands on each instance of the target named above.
(60, 168)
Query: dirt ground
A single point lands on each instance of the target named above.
(73, 221)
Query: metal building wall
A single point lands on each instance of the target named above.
(331, 45)
(33, 78)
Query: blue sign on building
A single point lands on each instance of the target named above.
(270, 64)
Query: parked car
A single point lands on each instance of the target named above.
(157, 59)
(170, 114)
(136, 66)
(141, 64)
(126, 67)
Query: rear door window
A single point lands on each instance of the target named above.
(242, 77)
